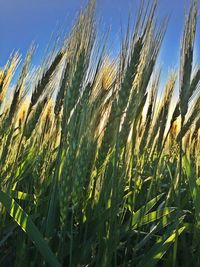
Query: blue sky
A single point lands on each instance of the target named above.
(24, 21)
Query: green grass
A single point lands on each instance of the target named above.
(96, 169)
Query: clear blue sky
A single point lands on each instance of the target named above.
(22, 21)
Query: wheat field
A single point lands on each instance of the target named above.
(97, 168)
